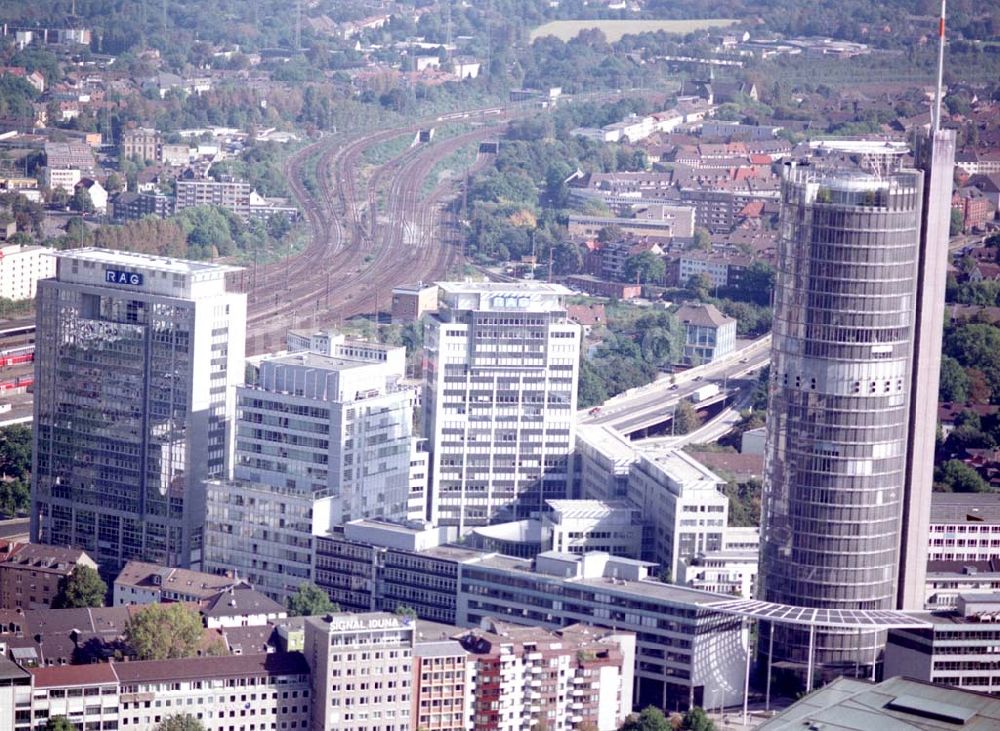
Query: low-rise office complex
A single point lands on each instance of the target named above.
(959, 648)
(964, 527)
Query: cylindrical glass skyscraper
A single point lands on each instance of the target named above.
(844, 317)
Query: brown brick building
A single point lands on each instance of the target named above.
(30, 573)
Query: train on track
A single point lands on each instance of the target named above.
(17, 356)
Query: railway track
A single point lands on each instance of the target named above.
(357, 253)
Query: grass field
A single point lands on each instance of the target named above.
(566, 30)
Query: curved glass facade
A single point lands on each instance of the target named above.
(844, 314)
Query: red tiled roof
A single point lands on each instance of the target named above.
(758, 159)
(586, 314)
(63, 675)
(194, 668)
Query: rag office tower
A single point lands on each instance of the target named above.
(135, 366)
(859, 301)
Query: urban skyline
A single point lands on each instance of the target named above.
(471, 368)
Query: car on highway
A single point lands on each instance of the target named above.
(595, 411)
(674, 387)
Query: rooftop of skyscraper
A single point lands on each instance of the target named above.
(150, 262)
(527, 287)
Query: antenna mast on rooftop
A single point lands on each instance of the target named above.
(936, 114)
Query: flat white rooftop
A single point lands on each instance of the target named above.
(591, 509)
(149, 262)
(682, 468)
(608, 442)
(527, 287)
(318, 361)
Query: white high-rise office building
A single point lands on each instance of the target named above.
(324, 436)
(136, 361)
(502, 369)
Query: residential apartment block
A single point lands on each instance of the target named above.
(231, 194)
(526, 677)
(231, 693)
(21, 267)
(30, 574)
(129, 206)
(148, 583)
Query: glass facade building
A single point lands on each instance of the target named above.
(835, 465)
(135, 363)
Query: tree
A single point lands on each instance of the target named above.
(644, 268)
(702, 239)
(59, 723)
(81, 200)
(697, 720)
(609, 234)
(82, 588)
(590, 387)
(180, 723)
(567, 258)
(309, 600)
(956, 476)
(650, 719)
(700, 286)
(954, 381)
(955, 224)
(15, 451)
(164, 631)
(686, 418)
(114, 183)
(976, 345)
(755, 284)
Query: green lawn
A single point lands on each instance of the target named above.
(614, 29)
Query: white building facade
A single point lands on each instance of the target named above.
(362, 671)
(20, 269)
(502, 369)
(324, 436)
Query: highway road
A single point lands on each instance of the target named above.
(641, 407)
